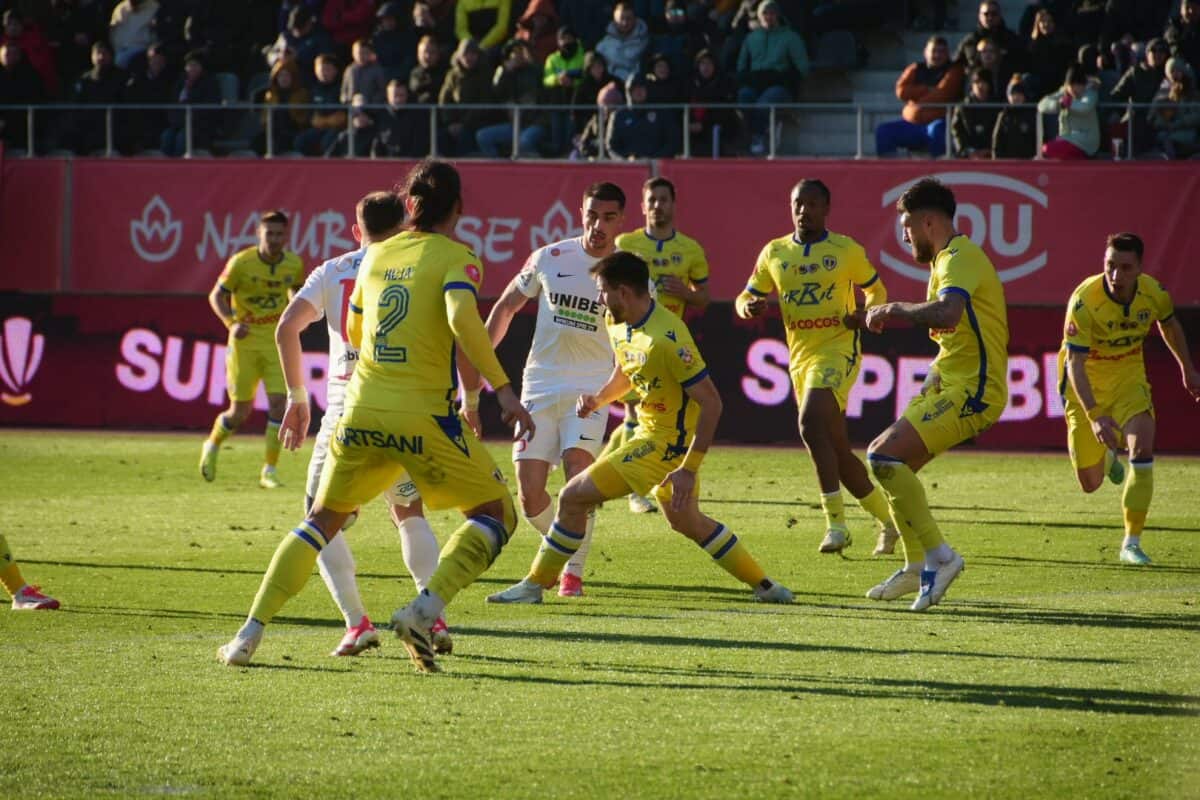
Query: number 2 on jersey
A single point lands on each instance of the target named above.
(393, 308)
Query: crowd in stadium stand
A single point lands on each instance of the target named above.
(344, 77)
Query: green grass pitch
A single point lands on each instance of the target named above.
(1049, 670)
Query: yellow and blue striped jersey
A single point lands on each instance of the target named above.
(815, 282)
(1111, 332)
(661, 359)
(406, 358)
(259, 291)
(679, 255)
(974, 353)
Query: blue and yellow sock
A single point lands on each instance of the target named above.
(556, 550)
(468, 553)
(1135, 500)
(10, 573)
(272, 441)
(222, 429)
(906, 496)
(289, 570)
(733, 557)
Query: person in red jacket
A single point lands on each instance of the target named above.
(348, 20)
(923, 86)
(34, 47)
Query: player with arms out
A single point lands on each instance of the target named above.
(248, 298)
(326, 294)
(414, 299)
(570, 355)
(815, 272)
(964, 392)
(25, 597)
(1103, 379)
(680, 409)
(679, 272)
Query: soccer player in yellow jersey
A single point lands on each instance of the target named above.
(25, 597)
(964, 393)
(815, 272)
(1103, 379)
(413, 301)
(680, 407)
(248, 298)
(679, 272)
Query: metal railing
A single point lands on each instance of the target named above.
(865, 116)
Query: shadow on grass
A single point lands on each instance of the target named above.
(662, 640)
(1024, 615)
(1112, 565)
(1113, 525)
(1059, 698)
(187, 613)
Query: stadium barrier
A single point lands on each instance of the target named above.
(154, 226)
(158, 362)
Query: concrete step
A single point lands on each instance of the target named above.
(874, 80)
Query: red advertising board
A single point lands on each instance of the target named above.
(1042, 223)
(169, 226)
(31, 224)
(158, 362)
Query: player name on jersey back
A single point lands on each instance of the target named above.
(570, 350)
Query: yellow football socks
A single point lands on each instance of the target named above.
(1139, 489)
(835, 511)
(289, 570)
(272, 441)
(733, 557)
(470, 550)
(556, 550)
(906, 496)
(10, 573)
(221, 430)
(876, 505)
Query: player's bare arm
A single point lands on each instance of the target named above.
(617, 386)
(502, 313)
(1172, 333)
(945, 312)
(1104, 427)
(472, 383)
(749, 305)
(298, 315)
(468, 329)
(219, 298)
(683, 478)
(691, 293)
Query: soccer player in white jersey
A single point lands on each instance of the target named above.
(570, 354)
(326, 293)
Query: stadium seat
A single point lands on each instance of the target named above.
(228, 82)
(836, 51)
(256, 86)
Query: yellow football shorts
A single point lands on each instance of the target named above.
(945, 417)
(834, 370)
(248, 361)
(638, 465)
(371, 449)
(1122, 401)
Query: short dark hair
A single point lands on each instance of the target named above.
(814, 183)
(380, 212)
(937, 38)
(1076, 73)
(623, 269)
(927, 194)
(981, 74)
(327, 58)
(1126, 242)
(605, 190)
(364, 42)
(659, 182)
(274, 215)
(435, 189)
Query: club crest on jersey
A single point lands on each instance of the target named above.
(685, 355)
(473, 273)
(1072, 330)
(829, 262)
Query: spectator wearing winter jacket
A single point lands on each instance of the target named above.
(394, 41)
(364, 76)
(711, 128)
(974, 122)
(348, 21)
(561, 74)
(469, 82)
(923, 86)
(539, 26)
(1078, 124)
(1015, 134)
(402, 132)
(104, 84)
(635, 132)
(625, 42)
(772, 62)
(286, 99)
(426, 79)
(1183, 33)
(595, 77)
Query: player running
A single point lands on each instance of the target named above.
(413, 300)
(680, 408)
(570, 355)
(326, 293)
(963, 395)
(25, 597)
(679, 271)
(815, 272)
(248, 298)
(1103, 379)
